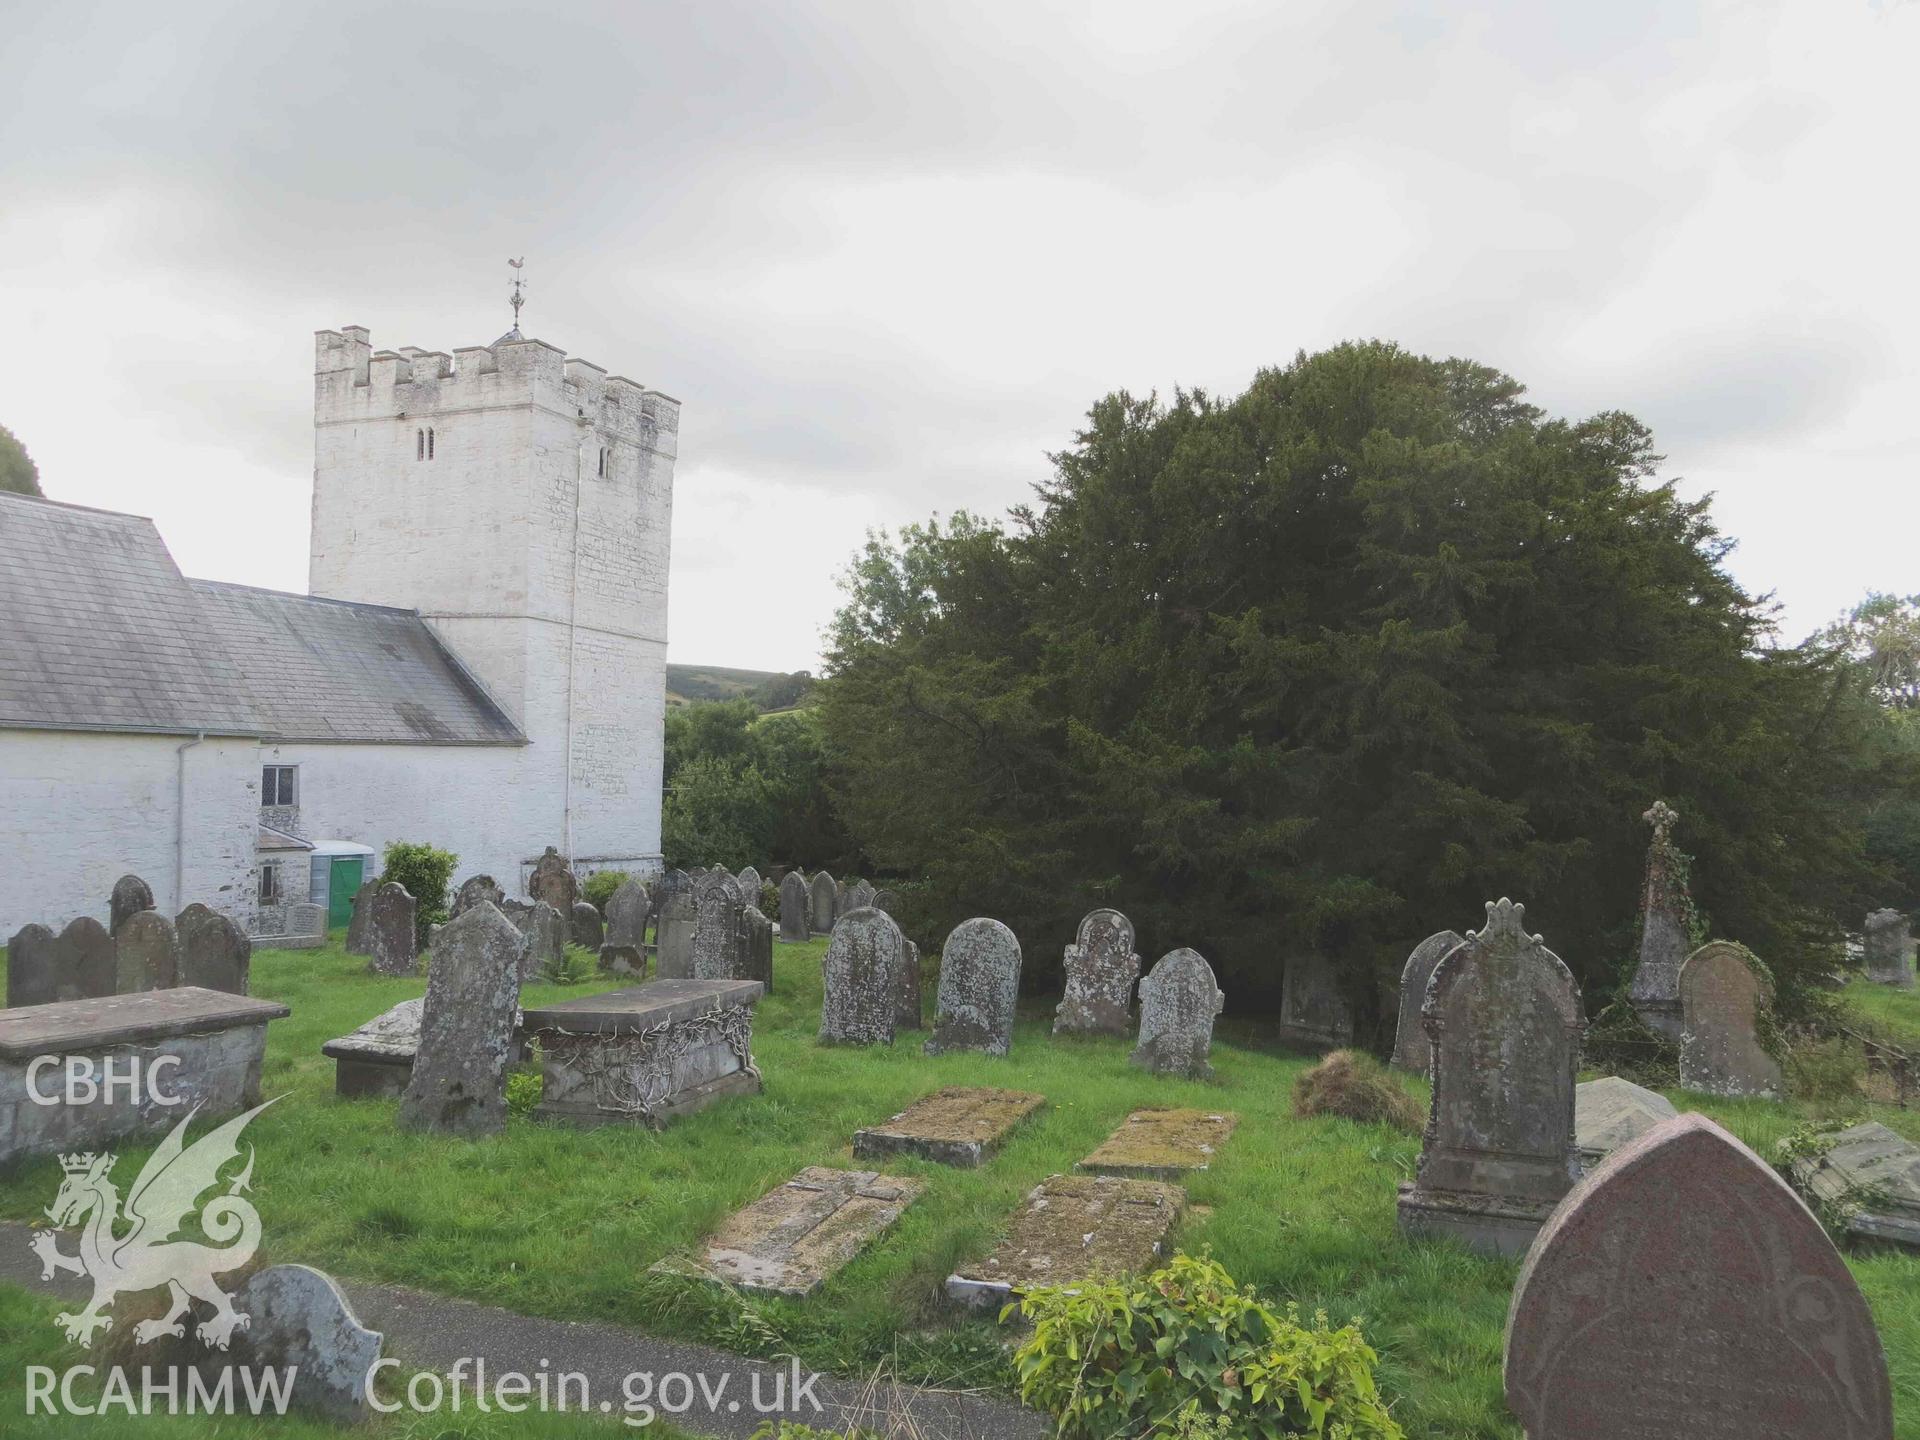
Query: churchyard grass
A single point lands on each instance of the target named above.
(1893, 1012)
(566, 1222)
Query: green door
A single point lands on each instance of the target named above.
(342, 887)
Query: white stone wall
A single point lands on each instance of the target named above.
(84, 809)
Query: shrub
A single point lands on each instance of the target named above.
(600, 887)
(1618, 1042)
(1356, 1086)
(572, 966)
(1186, 1350)
(1827, 1075)
(427, 873)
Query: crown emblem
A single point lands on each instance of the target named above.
(80, 1164)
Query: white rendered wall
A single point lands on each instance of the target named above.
(85, 809)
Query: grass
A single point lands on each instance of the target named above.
(566, 1223)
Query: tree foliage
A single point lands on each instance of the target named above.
(746, 789)
(18, 473)
(427, 872)
(1328, 665)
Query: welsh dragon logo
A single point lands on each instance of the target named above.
(135, 1250)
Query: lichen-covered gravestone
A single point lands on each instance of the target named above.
(623, 949)
(759, 946)
(130, 896)
(472, 891)
(1101, 968)
(793, 908)
(1178, 1001)
(1409, 1039)
(1725, 995)
(979, 982)
(1888, 949)
(298, 1320)
(1070, 1229)
(588, 931)
(391, 938)
(719, 945)
(360, 922)
(1314, 1012)
(552, 881)
(821, 892)
(790, 1240)
(459, 1080)
(1684, 1292)
(1609, 1112)
(858, 1002)
(146, 953)
(1503, 1015)
(957, 1125)
(749, 881)
(1873, 1177)
(859, 896)
(215, 953)
(887, 900)
(1161, 1144)
(1666, 912)
(77, 964)
(546, 946)
(906, 985)
(673, 936)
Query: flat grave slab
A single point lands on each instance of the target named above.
(1872, 1158)
(790, 1240)
(1161, 1144)
(1609, 1112)
(957, 1125)
(1072, 1228)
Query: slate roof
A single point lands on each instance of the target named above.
(335, 670)
(99, 631)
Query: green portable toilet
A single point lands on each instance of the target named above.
(340, 867)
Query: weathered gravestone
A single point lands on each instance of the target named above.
(887, 900)
(546, 947)
(391, 937)
(130, 896)
(1161, 1144)
(1888, 949)
(821, 891)
(793, 908)
(719, 945)
(214, 952)
(1178, 1001)
(459, 1079)
(859, 1000)
(472, 891)
(623, 949)
(759, 946)
(360, 922)
(958, 1125)
(859, 896)
(298, 1320)
(77, 964)
(1314, 1012)
(792, 1238)
(1666, 912)
(1609, 1112)
(552, 881)
(906, 985)
(587, 930)
(146, 954)
(377, 1058)
(1873, 1177)
(749, 881)
(306, 927)
(673, 936)
(1684, 1292)
(1101, 967)
(1503, 1015)
(1725, 1000)
(1409, 1039)
(979, 983)
(1072, 1228)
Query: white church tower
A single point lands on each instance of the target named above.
(522, 502)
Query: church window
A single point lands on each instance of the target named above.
(419, 444)
(270, 891)
(276, 784)
(429, 443)
(603, 462)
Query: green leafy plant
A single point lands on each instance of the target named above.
(1187, 1351)
(524, 1088)
(427, 873)
(600, 887)
(571, 966)
(1801, 1159)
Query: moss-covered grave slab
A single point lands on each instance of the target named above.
(1161, 1144)
(1069, 1229)
(792, 1238)
(958, 1125)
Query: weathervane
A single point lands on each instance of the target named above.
(519, 295)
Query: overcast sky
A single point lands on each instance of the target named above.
(887, 254)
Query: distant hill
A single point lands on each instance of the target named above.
(769, 689)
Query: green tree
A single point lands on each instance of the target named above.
(18, 473)
(1879, 641)
(1327, 665)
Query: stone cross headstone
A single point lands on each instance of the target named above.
(1725, 996)
(1314, 1011)
(749, 879)
(719, 945)
(979, 982)
(472, 891)
(1504, 1019)
(1178, 1000)
(77, 964)
(860, 976)
(546, 941)
(1666, 912)
(1101, 967)
(391, 938)
(623, 949)
(1409, 1039)
(552, 881)
(459, 1081)
(1683, 1291)
(793, 908)
(1888, 949)
(298, 1320)
(214, 952)
(673, 937)
(906, 986)
(360, 922)
(130, 896)
(146, 953)
(587, 930)
(821, 891)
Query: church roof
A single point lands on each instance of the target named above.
(335, 670)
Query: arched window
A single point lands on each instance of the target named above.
(429, 443)
(603, 462)
(419, 444)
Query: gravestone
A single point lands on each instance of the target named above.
(1726, 996)
(1873, 1175)
(820, 902)
(306, 924)
(1314, 1012)
(673, 937)
(670, 884)
(377, 1058)
(472, 891)
(1072, 1228)
(459, 1079)
(1178, 1001)
(1666, 917)
(1409, 1040)
(623, 949)
(959, 1125)
(1161, 1144)
(77, 964)
(552, 881)
(33, 967)
(979, 982)
(298, 1320)
(1609, 1112)
(749, 880)
(793, 908)
(146, 954)
(584, 922)
(859, 896)
(1684, 1292)
(391, 937)
(360, 921)
(906, 985)
(1888, 949)
(887, 900)
(859, 1000)
(1503, 1015)
(214, 952)
(790, 1240)
(546, 946)
(130, 896)
(1101, 967)
(719, 945)
(759, 946)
